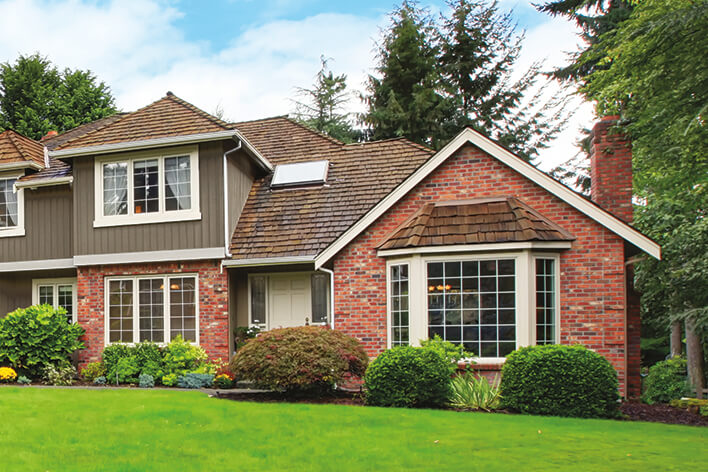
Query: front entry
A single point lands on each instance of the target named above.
(290, 302)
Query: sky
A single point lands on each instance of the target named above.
(246, 57)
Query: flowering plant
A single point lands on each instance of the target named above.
(7, 374)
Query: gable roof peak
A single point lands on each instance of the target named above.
(18, 149)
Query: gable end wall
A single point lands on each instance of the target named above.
(592, 273)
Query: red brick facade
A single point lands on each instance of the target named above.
(592, 273)
(213, 303)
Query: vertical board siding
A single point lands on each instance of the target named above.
(48, 227)
(16, 287)
(207, 232)
(241, 175)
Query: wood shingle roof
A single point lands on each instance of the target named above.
(17, 149)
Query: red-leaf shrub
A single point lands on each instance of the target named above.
(306, 358)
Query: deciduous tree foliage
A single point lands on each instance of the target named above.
(36, 97)
(435, 77)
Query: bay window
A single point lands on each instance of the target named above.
(151, 308)
(399, 303)
(148, 187)
(545, 301)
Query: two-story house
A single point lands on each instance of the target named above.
(168, 221)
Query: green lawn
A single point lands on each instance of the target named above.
(61, 429)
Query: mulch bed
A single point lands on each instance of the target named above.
(336, 398)
(662, 414)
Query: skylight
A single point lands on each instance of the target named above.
(300, 173)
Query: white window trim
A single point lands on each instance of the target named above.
(266, 326)
(525, 263)
(18, 230)
(136, 312)
(161, 216)
(36, 283)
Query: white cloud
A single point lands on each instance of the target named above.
(135, 47)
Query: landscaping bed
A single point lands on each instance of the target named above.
(659, 413)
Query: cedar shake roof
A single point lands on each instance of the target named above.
(54, 142)
(167, 117)
(55, 170)
(17, 149)
(480, 221)
(303, 221)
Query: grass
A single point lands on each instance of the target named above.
(107, 430)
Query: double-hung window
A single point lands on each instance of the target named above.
(152, 308)
(59, 293)
(11, 207)
(149, 187)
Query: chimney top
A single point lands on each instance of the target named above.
(50, 134)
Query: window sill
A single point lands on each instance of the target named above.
(146, 219)
(12, 233)
(483, 363)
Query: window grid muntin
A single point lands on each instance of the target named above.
(466, 306)
(115, 188)
(545, 301)
(165, 281)
(45, 295)
(151, 310)
(65, 300)
(183, 308)
(120, 310)
(8, 204)
(146, 186)
(400, 305)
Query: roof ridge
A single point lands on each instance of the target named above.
(529, 209)
(402, 139)
(322, 135)
(236, 123)
(196, 109)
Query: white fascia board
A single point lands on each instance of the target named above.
(475, 248)
(143, 144)
(150, 256)
(251, 149)
(19, 165)
(44, 182)
(46, 264)
(527, 170)
(266, 261)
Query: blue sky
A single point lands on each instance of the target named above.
(246, 57)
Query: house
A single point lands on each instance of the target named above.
(168, 221)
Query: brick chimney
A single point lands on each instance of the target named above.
(49, 134)
(611, 169)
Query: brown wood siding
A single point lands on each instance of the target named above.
(240, 176)
(16, 287)
(204, 233)
(48, 227)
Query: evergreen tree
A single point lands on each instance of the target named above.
(35, 97)
(322, 107)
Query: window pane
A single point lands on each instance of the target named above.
(320, 291)
(183, 310)
(545, 301)
(120, 311)
(258, 300)
(178, 187)
(473, 303)
(151, 309)
(399, 305)
(146, 192)
(8, 203)
(115, 188)
(65, 299)
(46, 295)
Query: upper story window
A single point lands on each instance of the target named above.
(149, 187)
(11, 207)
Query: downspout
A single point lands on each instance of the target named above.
(331, 292)
(227, 232)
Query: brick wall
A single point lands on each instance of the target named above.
(592, 273)
(213, 303)
(611, 169)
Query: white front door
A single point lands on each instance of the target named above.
(290, 303)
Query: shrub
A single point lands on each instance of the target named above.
(36, 337)
(223, 381)
(559, 380)
(474, 392)
(7, 374)
(695, 405)
(306, 358)
(149, 359)
(667, 380)
(22, 380)
(169, 380)
(146, 381)
(100, 381)
(61, 375)
(243, 333)
(182, 357)
(93, 370)
(452, 352)
(407, 376)
(112, 354)
(193, 380)
(128, 362)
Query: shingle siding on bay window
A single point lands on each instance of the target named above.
(592, 273)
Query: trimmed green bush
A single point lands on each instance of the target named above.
(37, 337)
(452, 352)
(61, 375)
(408, 376)
(149, 358)
(196, 381)
(146, 381)
(93, 370)
(182, 357)
(305, 358)
(667, 380)
(559, 381)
